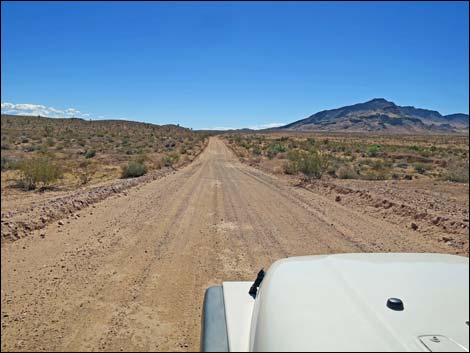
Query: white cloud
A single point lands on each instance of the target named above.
(42, 110)
(266, 126)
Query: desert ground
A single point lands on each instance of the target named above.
(128, 271)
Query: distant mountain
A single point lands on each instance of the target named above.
(380, 115)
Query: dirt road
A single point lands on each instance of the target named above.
(130, 273)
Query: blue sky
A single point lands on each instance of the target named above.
(227, 64)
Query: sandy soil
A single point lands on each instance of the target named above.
(129, 273)
(437, 210)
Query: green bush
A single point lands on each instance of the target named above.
(39, 170)
(311, 141)
(170, 159)
(312, 164)
(373, 150)
(274, 149)
(133, 169)
(415, 148)
(256, 150)
(291, 168)
(90, 154)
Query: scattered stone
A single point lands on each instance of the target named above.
(338, 198)
(414, 226)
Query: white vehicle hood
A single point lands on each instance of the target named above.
(338, 303)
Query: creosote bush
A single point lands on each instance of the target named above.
(311, 164)
(134, 169)
(90, 154)
(170, 159)
(39, 170)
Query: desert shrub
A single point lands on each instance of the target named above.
(133, 169)
(274, 149)
(425, 153)
(81, 142)
(311, 141)
(457, 172)
(85, 172)
(421, 168)
(373, 150)
(346, 172)
(312, 164)
(158, 164)
(90, 154)
(170, 145)
(40, 169)
(48, 130)
(237, 139)
(9, 163)
(5, 146)
(291, 167)
(50, 141)
(380, 165)
(376, 175)
(402, 163)
(245, 144)
(31, 148)
(4, 163)
(125, 141)
(256, 150)
(379, 169)
(415, 148)
(170, 159)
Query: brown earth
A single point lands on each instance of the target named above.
(129, 273)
